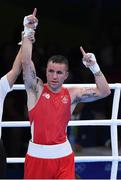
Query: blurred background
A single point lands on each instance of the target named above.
(64, 26)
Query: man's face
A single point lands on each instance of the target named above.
(56, 74)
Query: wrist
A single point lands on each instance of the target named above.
(94, 68)
(27, 31)
(99, 73)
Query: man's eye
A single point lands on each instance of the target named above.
(59, 72)
(51, 71)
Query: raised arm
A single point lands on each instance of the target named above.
(16, 69)
(91, 94)
(29, 73)
(32, 84)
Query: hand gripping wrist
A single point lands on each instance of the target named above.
(27, 21)
(28, 30)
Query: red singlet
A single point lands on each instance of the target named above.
(50, 117)
(50, 155)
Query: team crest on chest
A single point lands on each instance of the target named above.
(46, 95)
(64, 99)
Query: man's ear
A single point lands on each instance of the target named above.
(67, 74)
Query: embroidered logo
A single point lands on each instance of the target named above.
(46, 95)
(65, 99)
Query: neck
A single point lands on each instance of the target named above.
(54, 90)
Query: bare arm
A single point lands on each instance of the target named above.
(32, 84)
(29, 72)
(16, 69)
(91, 94)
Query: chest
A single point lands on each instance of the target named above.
(55, 100)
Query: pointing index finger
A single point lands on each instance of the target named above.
(82, 50)
(34, 12)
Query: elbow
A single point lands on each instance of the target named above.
(107, 92)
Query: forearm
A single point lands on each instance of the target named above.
(26, 51)
(102, 84)
(89, 60)
(16, 69)
(17, 63)
(29, 72)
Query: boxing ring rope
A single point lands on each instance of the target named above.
(114, 122)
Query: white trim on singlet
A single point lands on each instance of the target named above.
(49, 151)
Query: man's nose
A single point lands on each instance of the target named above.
(54, 75)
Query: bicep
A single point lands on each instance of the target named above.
(84, 95)
(88, 95)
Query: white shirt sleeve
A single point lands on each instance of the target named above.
(4, 89)
(4, 86)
